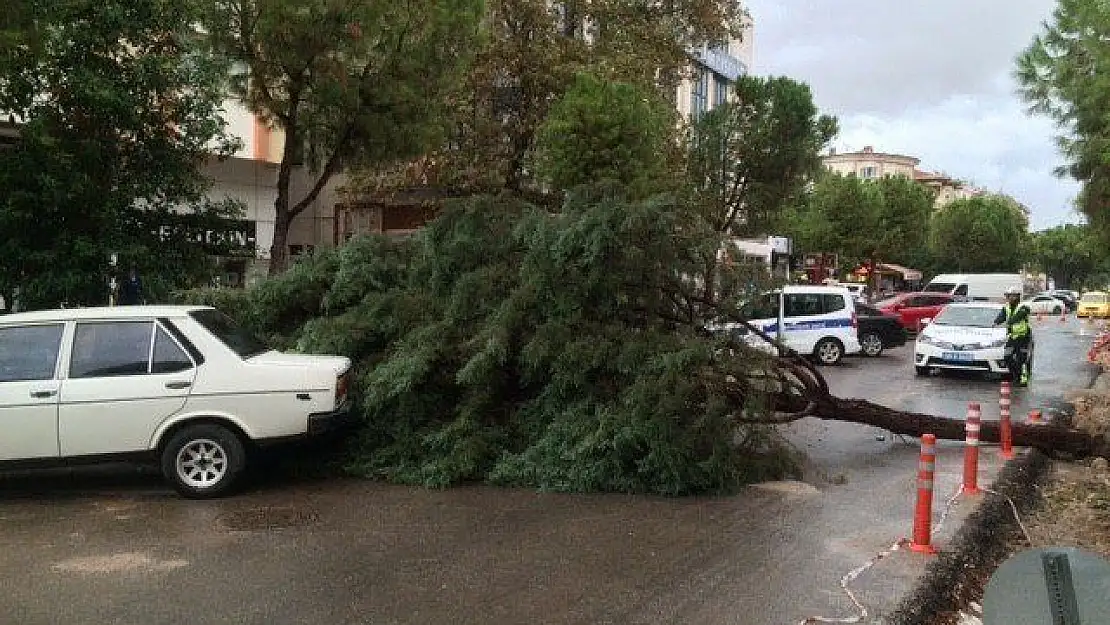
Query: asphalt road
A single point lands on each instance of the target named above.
(120, 549)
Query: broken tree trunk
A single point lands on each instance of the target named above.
(1051, 439)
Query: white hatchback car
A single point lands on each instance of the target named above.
(183, 385)
(963, 337)
(819, 320)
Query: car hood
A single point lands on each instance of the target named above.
(963, 333)
(335, 363)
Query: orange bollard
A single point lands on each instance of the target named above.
(1034, 416)
(1064, 316)
(971, 451)
(1005, 435)
(923, 511)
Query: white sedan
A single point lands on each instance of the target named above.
(182, 386)
(1045, 305)
(963, 337)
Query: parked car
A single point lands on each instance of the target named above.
(878, 331)
(976, 286)
(1044, 304)
(180, 385)
(912, 308)
(963, 337)
(1094, 304)
(819, 320)
(1070, 299)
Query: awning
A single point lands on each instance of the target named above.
(907, 274)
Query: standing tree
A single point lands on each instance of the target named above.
(1065, 75)
(528, 56)
(986, 233)
(605, 130)
(361, 81)
(1068, 254)
(864, 220)
(752, 158)
(116, 111)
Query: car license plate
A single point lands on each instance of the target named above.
(956, 356)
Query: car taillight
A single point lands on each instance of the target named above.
(341, 385)
(855, 320)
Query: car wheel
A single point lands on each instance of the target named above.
(921, 370)
(828, 351)
(871, 344)
(203, 460)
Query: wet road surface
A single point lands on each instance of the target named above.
(120, 549)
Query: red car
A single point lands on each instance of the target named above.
(911, 308)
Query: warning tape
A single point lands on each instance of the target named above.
(851, 576)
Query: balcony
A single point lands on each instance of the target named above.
(720, 62)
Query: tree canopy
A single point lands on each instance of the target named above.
(1065, 75)
(350, 82)
(885, 219)
(1071, 254)
(979, 234)
(116, 111)
(752, 157)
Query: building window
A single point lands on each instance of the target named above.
(720, 90)
(868, 172)
(699, 94)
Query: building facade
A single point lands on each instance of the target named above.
(868, 164)
(714, 70)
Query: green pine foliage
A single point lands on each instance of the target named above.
(509, 345)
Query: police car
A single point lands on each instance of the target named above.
(819, 320)
(963, 337)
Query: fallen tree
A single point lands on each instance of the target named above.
(581, 350)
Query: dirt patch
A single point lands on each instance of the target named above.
(263, 518)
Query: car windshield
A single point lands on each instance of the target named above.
(967, 316)
(888, 302)
(868, 311)
(939, 287)
(230, 333)
(1094, 298)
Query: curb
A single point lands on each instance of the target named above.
(981, 543)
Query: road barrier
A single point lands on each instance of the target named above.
(971, 450)
(1064, 316)
(923, 511)
(1005, 434)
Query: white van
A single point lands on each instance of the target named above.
(820, 320)
(976, 286)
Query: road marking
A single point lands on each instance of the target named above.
(118, 563)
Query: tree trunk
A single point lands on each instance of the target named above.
(279, 250)
(1047, 438)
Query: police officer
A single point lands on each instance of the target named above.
(1019, 336)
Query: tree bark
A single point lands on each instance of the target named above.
(1048, 438)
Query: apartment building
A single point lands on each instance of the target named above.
(869, 164)
(714, 70)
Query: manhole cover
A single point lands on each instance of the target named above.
(267, 518)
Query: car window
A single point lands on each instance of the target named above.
(224, 328)
(961, 292)
(918, 301)
(868, 311)
(934, 300)
(764, 306)
(833, 302)
(111, 349)
(29, 352)
(943, 287)
(803, 304)
(1093, 298)
(168, 355)
(888, 302)
(974, 317)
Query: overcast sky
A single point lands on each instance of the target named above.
(927, 78)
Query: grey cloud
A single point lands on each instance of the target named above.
(929, 79)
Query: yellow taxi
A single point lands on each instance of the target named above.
(1094, 304)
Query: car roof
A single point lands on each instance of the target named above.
(975, 304)
(102, 312)
(813, 288)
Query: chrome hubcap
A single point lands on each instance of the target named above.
(830, 352)
(202, 463)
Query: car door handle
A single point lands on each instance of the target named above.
(43, 394)
(177, 385)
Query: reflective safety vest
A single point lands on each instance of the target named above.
(1019, 329)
